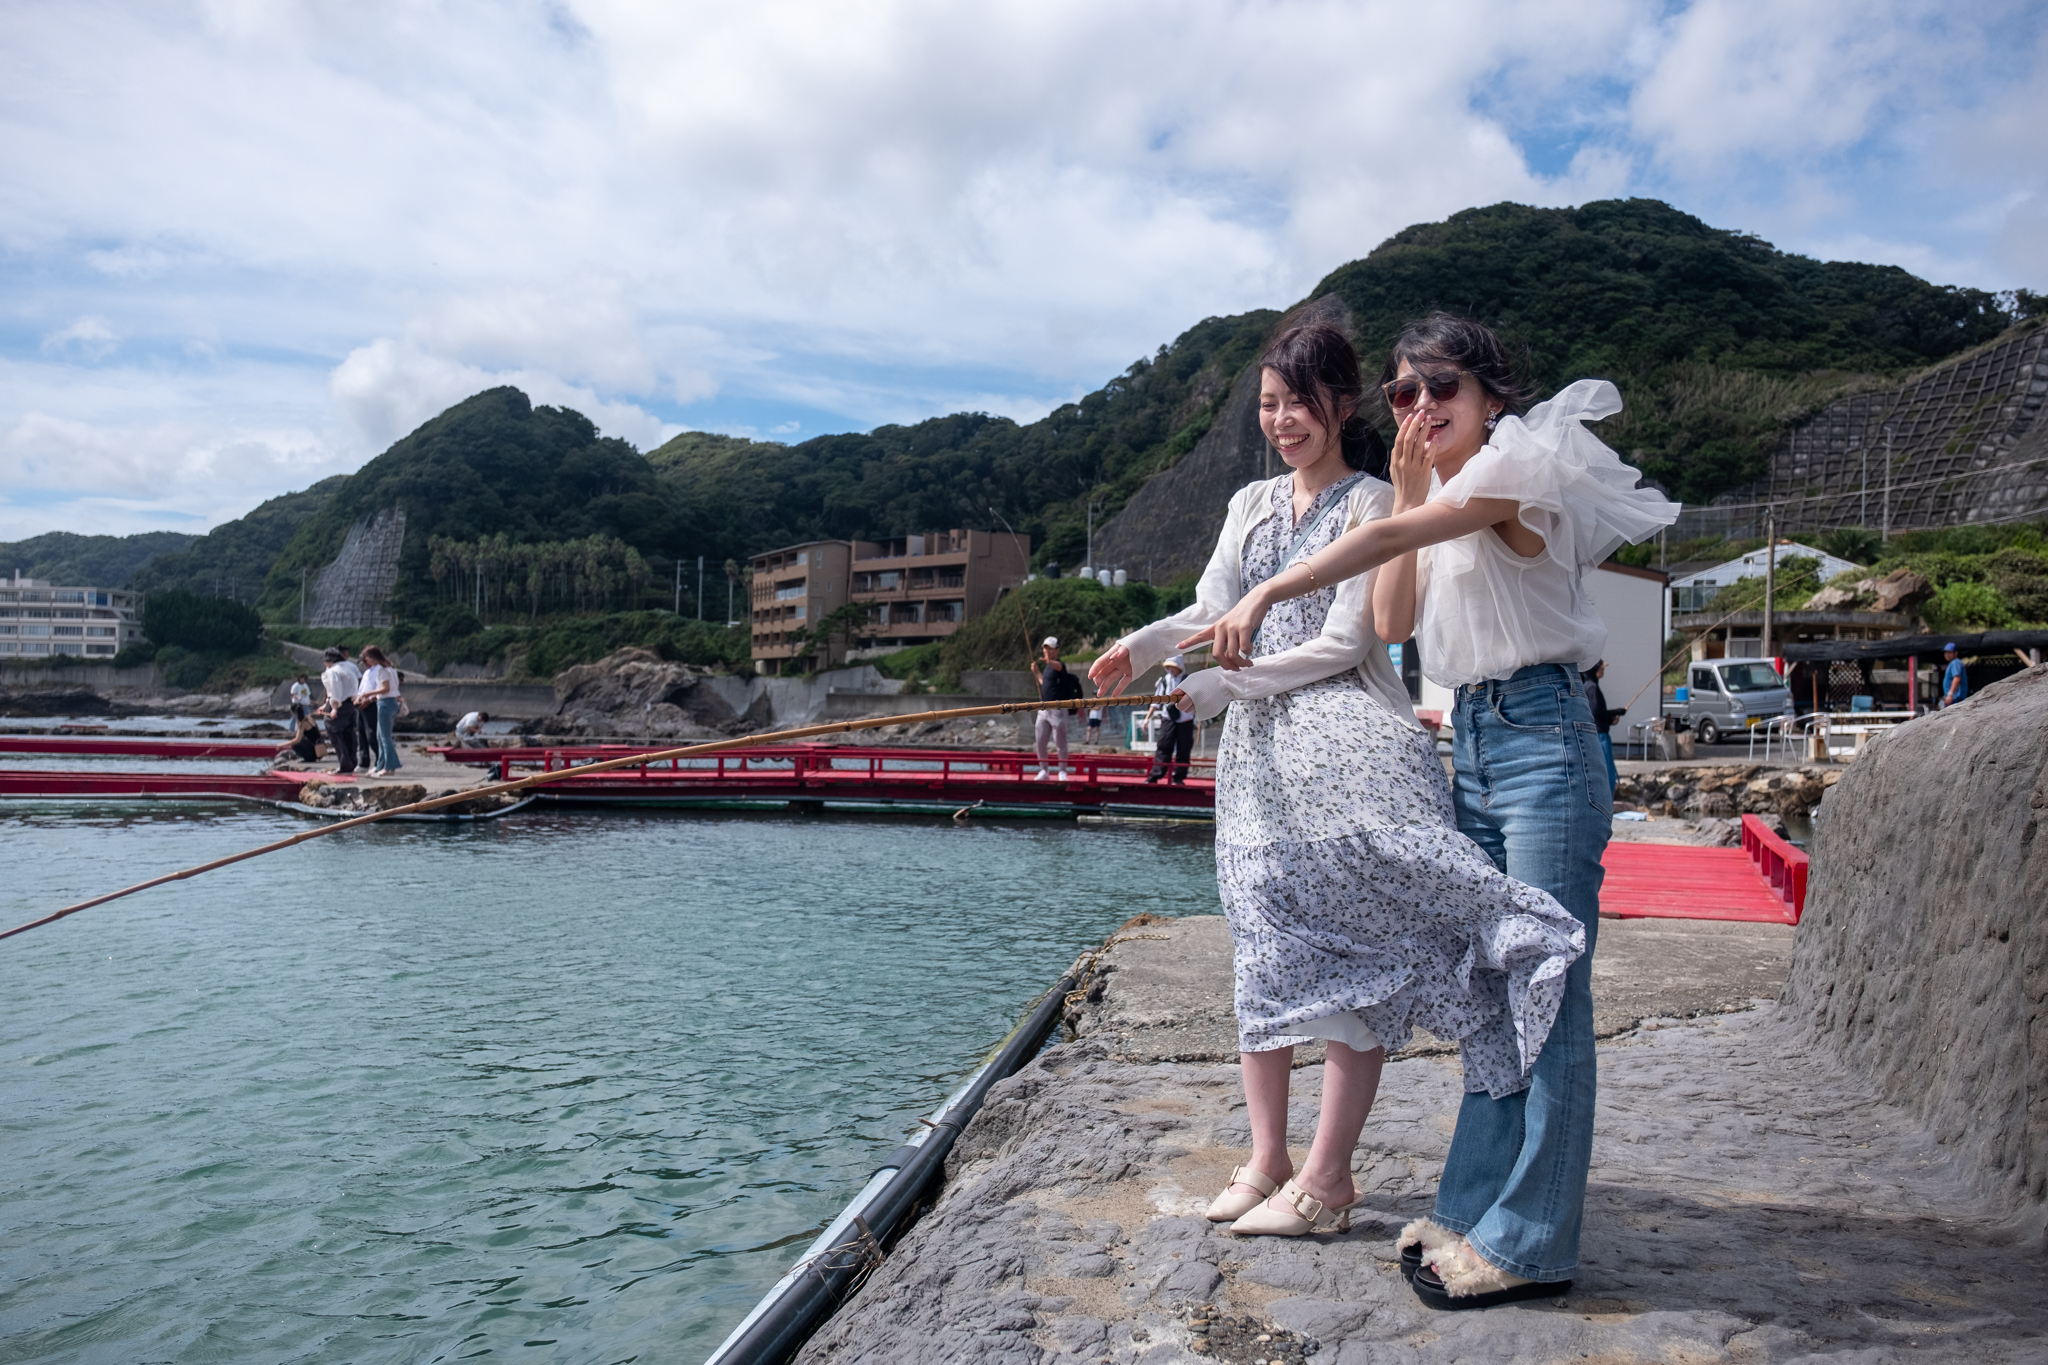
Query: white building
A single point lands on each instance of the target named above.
(38, 619)
(1695, 590)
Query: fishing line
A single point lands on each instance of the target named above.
(455, 798)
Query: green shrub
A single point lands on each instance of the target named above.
(203, 624)
(1967, 606)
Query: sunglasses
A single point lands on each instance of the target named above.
(1405, 392)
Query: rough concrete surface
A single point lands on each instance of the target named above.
(1751, 1201)
(1923, 959)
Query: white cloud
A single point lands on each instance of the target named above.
(91, 338)
(849, 214)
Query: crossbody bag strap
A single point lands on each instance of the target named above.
(1340, 494)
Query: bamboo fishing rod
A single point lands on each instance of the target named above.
(456, 798)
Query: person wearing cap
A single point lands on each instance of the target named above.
(1055, 683)
(340, 680)
(1175, 728)
(1955, 682)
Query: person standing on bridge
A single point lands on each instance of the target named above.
(1955, 680)
(1357, 911)
(1055, 683)
(380, 693)
(1508, 514)
(1174, 727)
(340, 681)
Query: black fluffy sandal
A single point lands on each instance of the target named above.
(1430, 1289)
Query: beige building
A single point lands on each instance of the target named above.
(915, 589)
(793, 589)
(39, 619)
(923, 588)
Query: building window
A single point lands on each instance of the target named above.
(35, 630)
(788, 590)
(99, 649)
(106, 632)
(68, 630)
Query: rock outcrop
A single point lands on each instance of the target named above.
(637, 692)
(1922, 960)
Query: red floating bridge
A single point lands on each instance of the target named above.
(1763, 881)
(845, 774)
(260, 786)
(138, 748)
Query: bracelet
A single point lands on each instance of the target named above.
(1312, 584)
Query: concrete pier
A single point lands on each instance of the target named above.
(1751, 1201)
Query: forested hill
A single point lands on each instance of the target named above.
(1716, 339)
(87, 561)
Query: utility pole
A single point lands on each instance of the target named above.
(679, 587)
(1863, 498)
(700, 587)
(302, 597)
(1887, 483)
(1770, 573)
(1093, 508)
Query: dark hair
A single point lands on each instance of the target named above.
(376, 656)
(1317, 362)
(1472, 346)
(331, 655)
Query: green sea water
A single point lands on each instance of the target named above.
(564, 1087)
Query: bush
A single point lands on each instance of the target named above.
(1966, 606)
(201, 624)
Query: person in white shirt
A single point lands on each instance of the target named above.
(1357, 911)
(380, 691)
(469, 731)
(301, 701)
(340, 681)
(1497, 519)
(1173, 730)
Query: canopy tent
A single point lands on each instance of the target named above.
(1913, 646)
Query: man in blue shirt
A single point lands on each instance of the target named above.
(1955, 683)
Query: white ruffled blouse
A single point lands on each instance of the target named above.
(1484, 611)
(1347, 640)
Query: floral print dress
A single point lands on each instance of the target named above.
(1357, 910)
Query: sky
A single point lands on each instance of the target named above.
(247, 245)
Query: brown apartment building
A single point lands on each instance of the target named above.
(916, 589)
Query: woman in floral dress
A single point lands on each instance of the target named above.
(1357, 911)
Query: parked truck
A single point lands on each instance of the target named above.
(1728, 695)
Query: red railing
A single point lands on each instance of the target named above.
(841, 759)
(1780, 864)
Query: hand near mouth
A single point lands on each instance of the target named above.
(1409, 466)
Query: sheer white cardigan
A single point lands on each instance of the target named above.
(1347, 640)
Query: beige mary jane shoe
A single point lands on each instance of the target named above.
(1303, 1215)
(1232, 1205)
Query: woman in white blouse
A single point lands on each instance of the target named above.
(380, 690)
(1357, 911)
(1507, 514)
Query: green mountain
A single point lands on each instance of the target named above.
(1716, 339)
(492, 465)
(88, 561)
(234, 558)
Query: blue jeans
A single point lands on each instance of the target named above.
(1532, 790)
(387, 749)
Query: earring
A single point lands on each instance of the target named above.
(1492, 420)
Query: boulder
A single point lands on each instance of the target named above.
(1922, 958)
(1899, 589)
(635, 691)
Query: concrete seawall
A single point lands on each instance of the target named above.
(1749, 1201)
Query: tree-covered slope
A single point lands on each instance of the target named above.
(88, 561)
(234, 558)
(1714, 337)
(494, 464)
(740, 497)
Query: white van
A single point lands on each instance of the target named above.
(1724, 695)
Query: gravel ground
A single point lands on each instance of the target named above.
(1748, 1203)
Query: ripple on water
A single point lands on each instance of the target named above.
(567, 1087)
